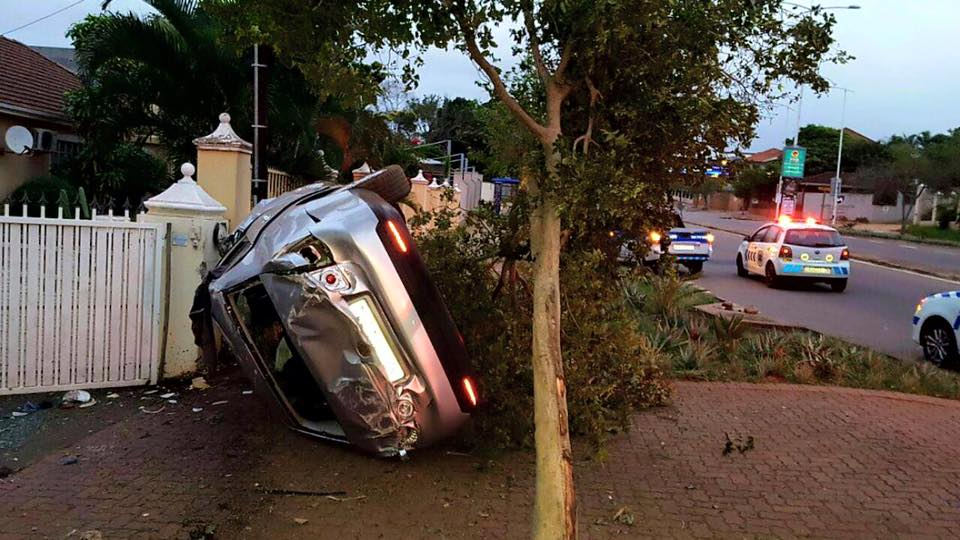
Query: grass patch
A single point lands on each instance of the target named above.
(695, 346)
(930, 232)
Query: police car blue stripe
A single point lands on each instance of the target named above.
(915, 320)
(945, 295)
(956, 323)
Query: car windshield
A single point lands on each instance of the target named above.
(813, 238)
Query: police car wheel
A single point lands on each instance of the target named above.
(694, 267)
(939, 343)
(741, 271)
(838, 285)
(770, 276)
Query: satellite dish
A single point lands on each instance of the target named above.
(19, 139)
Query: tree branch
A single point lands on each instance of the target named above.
(534, 43)
(499, 88)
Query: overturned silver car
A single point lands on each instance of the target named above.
(323, 297)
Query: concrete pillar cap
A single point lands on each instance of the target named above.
(419, 178)
(223, 138)
(185, 197)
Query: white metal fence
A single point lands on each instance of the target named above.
(80, 302)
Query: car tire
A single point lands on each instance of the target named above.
(694, 267)
(838, 285)
(770, 276)
(939, 343)
(741, 271)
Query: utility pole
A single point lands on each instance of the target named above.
(837, 183)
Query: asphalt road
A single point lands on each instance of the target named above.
(875, 311)
(933, 258)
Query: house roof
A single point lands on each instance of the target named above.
(32, 85)
(765, 156)
(857, 135)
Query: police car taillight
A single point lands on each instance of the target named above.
(786, 252)
(845, 255)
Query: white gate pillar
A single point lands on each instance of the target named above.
(193, 216)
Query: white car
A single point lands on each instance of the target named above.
(795, 250)
(936, 327)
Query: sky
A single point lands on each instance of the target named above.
(904, 79)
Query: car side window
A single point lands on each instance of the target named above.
(771, 235)
(758, 236)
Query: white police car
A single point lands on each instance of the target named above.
(795, 250)
(936, 325)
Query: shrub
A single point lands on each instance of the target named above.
(611, 368)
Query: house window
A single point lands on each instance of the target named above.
(66, 149)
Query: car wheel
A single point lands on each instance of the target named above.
(694, 267)
(838, 285)
(770, 276)
(939, 343)
(741, 271)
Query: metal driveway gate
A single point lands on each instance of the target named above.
(80, 303)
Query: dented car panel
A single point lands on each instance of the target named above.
(324, 295)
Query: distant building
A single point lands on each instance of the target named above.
(766, 156)
(32, 89)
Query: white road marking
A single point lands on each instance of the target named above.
(883, 267)
(907, 246)
(875, 241)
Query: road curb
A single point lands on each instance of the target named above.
(861, 258)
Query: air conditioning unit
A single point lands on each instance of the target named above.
(45, 140)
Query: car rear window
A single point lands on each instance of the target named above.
(813, 238)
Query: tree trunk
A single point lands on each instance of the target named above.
(555, 506)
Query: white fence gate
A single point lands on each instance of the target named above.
(80, 303)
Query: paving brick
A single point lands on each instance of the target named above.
(827, 462)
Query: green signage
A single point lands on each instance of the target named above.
(793, 158)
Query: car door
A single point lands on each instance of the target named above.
(754, 243)
(763, 246)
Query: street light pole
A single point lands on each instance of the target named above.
(837, 186)
(796, 138)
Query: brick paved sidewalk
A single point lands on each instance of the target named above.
(826, 462)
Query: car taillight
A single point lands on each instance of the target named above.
(655, 237)
(845, 255)
(786, 252)
(710, 238)
(397, 237)
(471, 391)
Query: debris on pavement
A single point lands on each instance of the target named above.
(300, 521)
(346, 499)
(113, 395)
(30, 408)
(197, 409)
(300, 492)
(624, 516)
(91, 535)
(69, 460)
(222, 402)
(150, 392)
(152, 411)
(247, 392)
(90, 403)
(74, 398)
(168, 395)
(199, 383)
